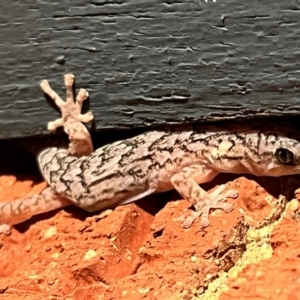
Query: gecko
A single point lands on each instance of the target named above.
(152, 162)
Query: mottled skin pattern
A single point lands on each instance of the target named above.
(152, 162)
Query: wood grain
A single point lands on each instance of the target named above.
(149, 62)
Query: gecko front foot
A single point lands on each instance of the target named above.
(80, 139)
(210, 201)
(186, 183)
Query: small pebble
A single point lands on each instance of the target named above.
(51, 231)
(90, 254)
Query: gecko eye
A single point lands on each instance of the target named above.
(284, 156)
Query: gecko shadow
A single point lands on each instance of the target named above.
(275, 186)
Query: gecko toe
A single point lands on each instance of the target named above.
(230, 194)
(189, 220)
(203, 215)
(69, 80)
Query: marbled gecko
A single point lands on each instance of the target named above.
(152, 162)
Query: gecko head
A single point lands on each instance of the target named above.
(284, 159)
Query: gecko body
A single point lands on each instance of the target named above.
(152, 162)
(128, 170)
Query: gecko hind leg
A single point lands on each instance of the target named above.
(186, 183)
(71, 119)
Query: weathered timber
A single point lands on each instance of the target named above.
(149, 62)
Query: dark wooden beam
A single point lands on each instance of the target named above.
(149, 62)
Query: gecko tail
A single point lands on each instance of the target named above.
(20, 210)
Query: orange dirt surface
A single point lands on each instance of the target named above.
(133, 253)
